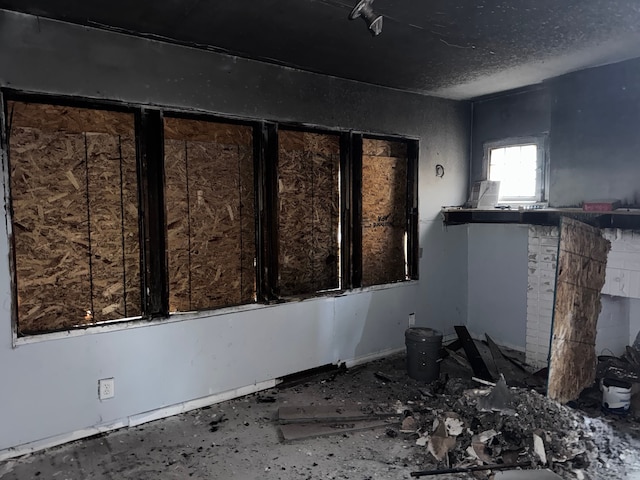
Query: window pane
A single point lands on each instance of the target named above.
(210, 214)
(75, 216)
(515, 168)
(309, 211)
(384, 207)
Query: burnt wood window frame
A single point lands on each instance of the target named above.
(351, 151)
(344, 189)
(11, 95)
(412, 218)
(262, 239)
(149, 140)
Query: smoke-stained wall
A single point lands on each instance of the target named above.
(205, 354)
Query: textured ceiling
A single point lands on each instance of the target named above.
(449, 48)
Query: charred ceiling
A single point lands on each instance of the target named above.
(450, 48)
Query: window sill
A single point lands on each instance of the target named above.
(344, 293)
(195, 315)
(620, 218)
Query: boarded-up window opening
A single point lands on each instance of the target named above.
(209, 196)
(74, 197)
(384, 211)
(309, 212)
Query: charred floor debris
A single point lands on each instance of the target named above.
(371, 422)
(461, 423)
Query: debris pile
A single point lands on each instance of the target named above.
(514, 426)
(487, 412)
(626, 367)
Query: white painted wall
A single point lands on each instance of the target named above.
(49, 388)
(497, 283)
(54, 383)
(623, 264)
(612, 333)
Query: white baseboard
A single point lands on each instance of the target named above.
(139, 419)
(371, 357)
(134, 420)
(145, 417)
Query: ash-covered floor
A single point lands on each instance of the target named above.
(240, 439)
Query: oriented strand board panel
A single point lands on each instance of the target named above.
(50, 229)
(130, 231)
(309, 211)
(56, 118)
(208, 132)
(582, 262)
(75, 216)
(246, 214)
(177, 211)
(113, 214)
(216, 234)
(384, 211)
(210, 214)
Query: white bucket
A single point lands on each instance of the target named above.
(616, 395)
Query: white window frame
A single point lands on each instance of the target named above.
(542, 166)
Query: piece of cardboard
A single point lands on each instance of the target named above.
(485, 194)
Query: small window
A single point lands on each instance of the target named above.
(519, 167)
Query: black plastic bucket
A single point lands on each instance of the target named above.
(423, 353)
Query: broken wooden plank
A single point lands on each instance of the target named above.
(384, 377)
(475, 468)
(504, 366)
(473, 355)
(496, 353)
(483, 382)
(517, 363)
(454, 345)
(301, 431)
(311, 374)
(459, 359)
(330, 413)
(580, 275)
(451, 346)
(633, 357)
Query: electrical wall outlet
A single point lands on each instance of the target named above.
(412, 320)
(106, 388)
